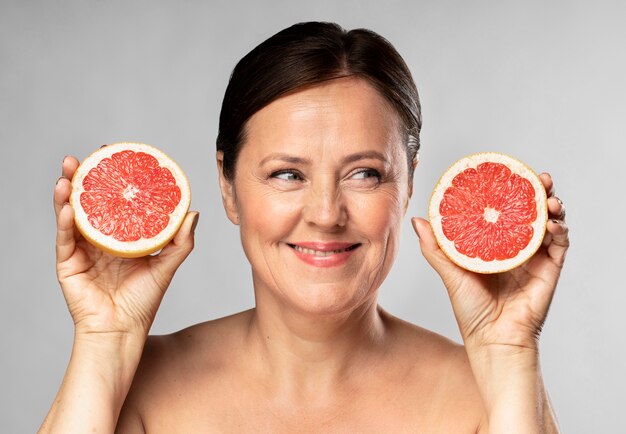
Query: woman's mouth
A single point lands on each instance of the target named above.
(323, 254)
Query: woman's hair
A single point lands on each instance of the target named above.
(306, 54)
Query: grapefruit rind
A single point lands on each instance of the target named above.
(144, 246)
(478, 265)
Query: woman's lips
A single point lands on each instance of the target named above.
(321, 254)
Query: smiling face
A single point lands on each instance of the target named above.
(320, 189)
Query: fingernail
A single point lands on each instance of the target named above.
(415, 227)
(60, 178)
(106, 144)
(195, 223)
(558, 200)
(64, 158)
(555, 221)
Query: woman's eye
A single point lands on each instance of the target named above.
(366, 174)
(287, 175)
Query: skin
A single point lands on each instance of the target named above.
(317, 353)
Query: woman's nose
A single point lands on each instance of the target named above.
(325, 206)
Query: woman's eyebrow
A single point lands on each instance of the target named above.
(292, 159)
(365, 155)
(286, 158)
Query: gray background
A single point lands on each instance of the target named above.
(543, 81)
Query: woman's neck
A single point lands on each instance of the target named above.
(305, 353)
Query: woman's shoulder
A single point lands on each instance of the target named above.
(176, 360)
(175, 368)
(412, 336)
(211, 341)
(431, 355)
(437, 371)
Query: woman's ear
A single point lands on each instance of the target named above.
(414, 163)
(227, 188)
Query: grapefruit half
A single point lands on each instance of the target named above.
(489, 212)
(129, 199)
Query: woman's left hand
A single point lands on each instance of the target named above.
(506, 311)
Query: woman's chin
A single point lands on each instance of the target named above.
(327, 301)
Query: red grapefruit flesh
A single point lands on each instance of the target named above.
(489, 212)
(129, 199)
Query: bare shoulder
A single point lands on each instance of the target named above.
(174, 367)
(425, 345)
(210, 342)
(200, 376)
(440, 366)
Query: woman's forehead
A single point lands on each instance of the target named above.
(347, 114)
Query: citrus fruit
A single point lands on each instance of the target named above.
(129, 199)
(489, 212)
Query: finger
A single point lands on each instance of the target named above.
(556, 209)
(447, 269)
(69, 166)
(61, 194)
(547, 238)
(66, 242)
(548, 183)
(63, 188)
(175, 252)
(559, 232)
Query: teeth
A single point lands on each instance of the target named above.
(317, 252)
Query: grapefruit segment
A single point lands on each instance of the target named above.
(129, 199)
(489, 212)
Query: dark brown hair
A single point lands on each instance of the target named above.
(306, 54)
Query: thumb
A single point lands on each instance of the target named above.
(447, 270)
(177, 250)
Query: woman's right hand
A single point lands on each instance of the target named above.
(113, 302)
(107, 294)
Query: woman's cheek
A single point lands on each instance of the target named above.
(269, 214)
(380, 210)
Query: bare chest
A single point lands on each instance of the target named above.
(228, 407)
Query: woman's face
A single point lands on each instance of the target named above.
(320, 189)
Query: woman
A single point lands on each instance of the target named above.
(317, 145)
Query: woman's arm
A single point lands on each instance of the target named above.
(514, 394)
(500, 317)
(113, 302)
(96, 382)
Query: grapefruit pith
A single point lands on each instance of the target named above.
(129, 199)
(489, 212)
